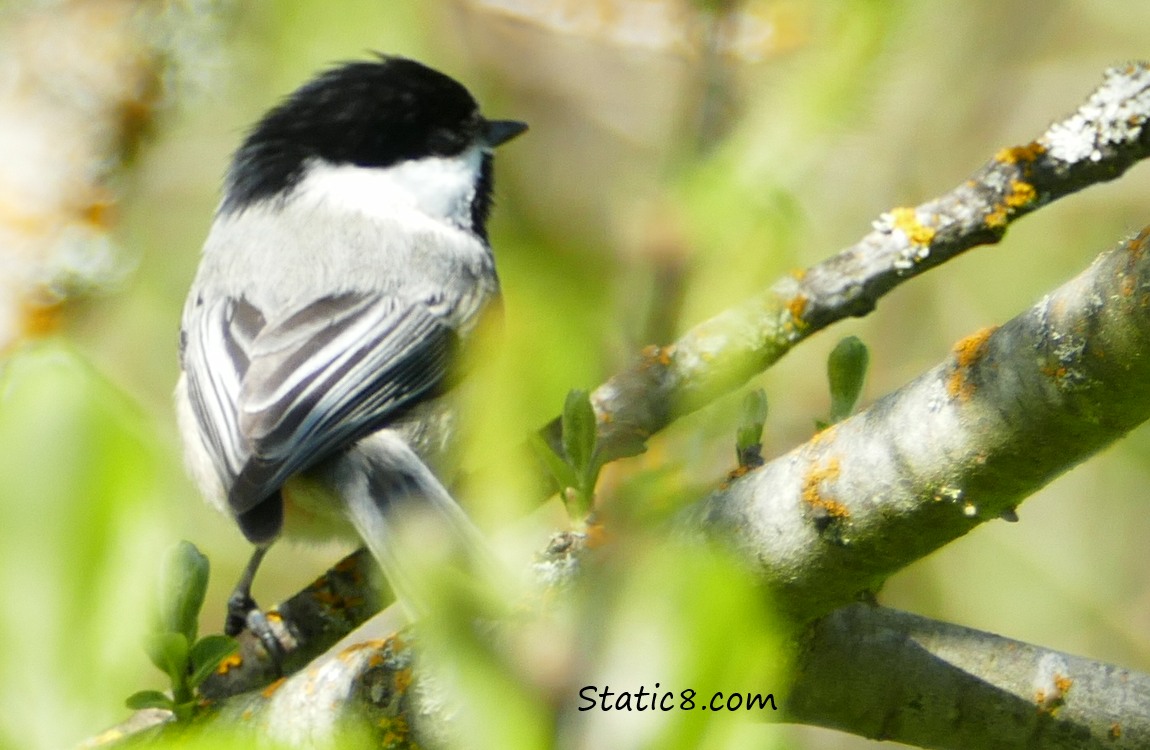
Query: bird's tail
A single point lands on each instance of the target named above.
(409, 522)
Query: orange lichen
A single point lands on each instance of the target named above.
(656, 355)
(403, 679)
(395, 732)
(1063, 683)
(1137, 246)
(596, 534)
(346, 565)
(373, 644)
(814, 496)
(796, 306)
(1020, 154)
(271, 689)
(228, 663)
(967, 352)
(327, 598)
(1115, 731)
(1021, 194)
(996, 219)
(906, 220)
(1050, 701)
(1127, 286)
(99, 213)
(734, 474)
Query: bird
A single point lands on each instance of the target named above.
(347, 267)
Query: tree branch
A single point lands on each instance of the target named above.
(1097, 143)
(867, 670)
(891, 675)
(1008, 411)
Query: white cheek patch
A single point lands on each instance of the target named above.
(436, 186)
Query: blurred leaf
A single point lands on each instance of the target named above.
(683, 618)
(84, 508)
(579, 430)
(580, 435)
(559, 469)
(183, 584)
(148, 699)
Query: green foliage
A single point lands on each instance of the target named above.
(749, 437)
(183, 583)
(173, 646)
(576, 472)
(83, 491)
(651, 613)
(699, 623)
(846, 372)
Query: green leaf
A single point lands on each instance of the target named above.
(149, 699)
(749, 436)
(559, 469)
(207, 654)
(169, 652)
(183, 583)
(579, 431)
(846, 371)
(185, 710)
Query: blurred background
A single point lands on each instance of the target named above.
(681, 156)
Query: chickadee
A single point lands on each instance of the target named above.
(347, 263)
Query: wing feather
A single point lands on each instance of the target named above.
(227, 326)
(331, 373)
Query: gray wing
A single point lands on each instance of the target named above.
(278, 399)
(215, 342)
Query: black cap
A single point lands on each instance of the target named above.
(368, 113)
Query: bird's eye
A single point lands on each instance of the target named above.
(445, 141)
(439, 141)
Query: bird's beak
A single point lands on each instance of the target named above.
(497, 132)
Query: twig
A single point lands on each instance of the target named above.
(1097, 143)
